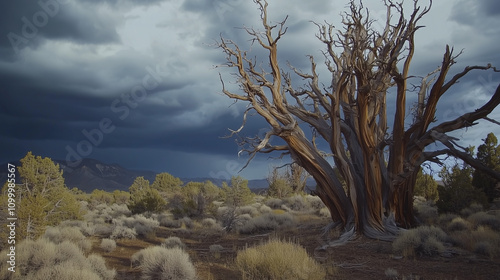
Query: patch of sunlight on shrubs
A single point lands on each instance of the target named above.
(269, 221)
(159, 263)
(43, 259)
(424, 240)
(278, 260)
(108, 245)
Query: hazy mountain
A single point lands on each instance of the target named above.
(92, 174)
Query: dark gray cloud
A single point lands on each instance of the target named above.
(133, 82)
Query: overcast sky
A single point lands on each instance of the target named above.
(134, 82)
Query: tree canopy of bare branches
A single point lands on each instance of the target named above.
(379, 166)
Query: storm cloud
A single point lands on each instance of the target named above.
(136, 83)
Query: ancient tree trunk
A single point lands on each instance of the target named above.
(378, 168)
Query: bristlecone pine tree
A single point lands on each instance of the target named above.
(378, 166)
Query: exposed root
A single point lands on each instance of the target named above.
(348, 235)
(389, 233)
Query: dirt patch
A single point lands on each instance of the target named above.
(361, 258)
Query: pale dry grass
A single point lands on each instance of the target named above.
(278, 260)
(423, 240)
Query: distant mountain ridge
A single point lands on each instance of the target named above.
(92, 174)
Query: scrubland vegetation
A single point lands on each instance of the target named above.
(169, 229)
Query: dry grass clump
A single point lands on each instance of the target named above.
(159, 263)
(43, 259)
(108, 245)
(458, 224)
(444, 219)
(278, 260)
(420, 241)
(485, 219)
(173, 242)
(72, 234)
(483, 240)
(269, 221)
(324, 212)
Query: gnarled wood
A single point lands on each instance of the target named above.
(350, 115)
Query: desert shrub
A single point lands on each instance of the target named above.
(274, 203)
(297, 203)
(391, 273)
(265, 209)
(444, 219)
(167, 221)
(72, 234)
(143, 198)
(158, 263)
(103, 230)
(139, 223)
(87, 228)
(426, 211)
(278, 260)
(211, 225)
(485, 219)
(284, 208)
(458, 191)
(315, 202)
(173, 242)
(458, 224)
(187, 222)
(108, 245)
(215, 248)
(324, 212)
(118, 210)
(98, 265)
(208, 223)
(423, 240)
(248, 209)
(229, 219)
(473, 208)
(483, 240)
(43, 259)
(268, 221)
(123, 232)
